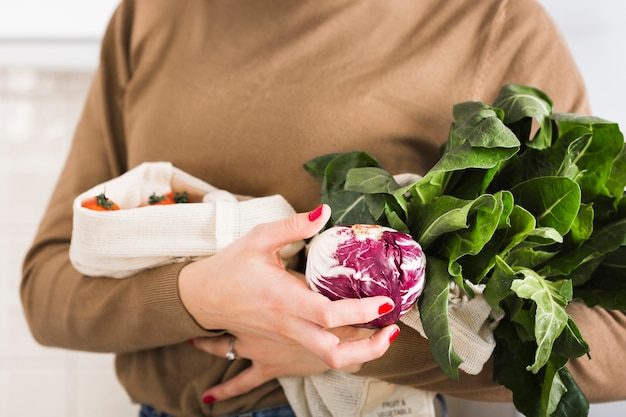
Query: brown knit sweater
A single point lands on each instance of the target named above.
(240, 94)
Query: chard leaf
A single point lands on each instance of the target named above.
(338, 167)
(595, 160)
(317, 166)
(553, 387)
(611, 272)
(584, 272)
(554, 201)
(370, 180)
(375, 204)
(542, 236)
(481, 126)
(528, 257)
(617, 178)
(520, 102)
(466, 156)
(570, 344)
(601, 242)
(608, 299)
(582, 227)
(550, 318)
(426, 189)
(395, 221)
(433, 307)
(522, 223)
(499, 284)
(444, 214)
(349, 208)
(475, 268)
(484, 218)
(533, 394)
(573, 403)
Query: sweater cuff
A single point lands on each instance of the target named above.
(162, 294)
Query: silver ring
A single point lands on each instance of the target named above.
(231, 355)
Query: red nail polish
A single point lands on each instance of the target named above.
(393, 336)
(384, 309)
(316, 213)
(208, 399)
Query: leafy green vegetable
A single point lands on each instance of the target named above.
(554, 201)
(433, 307)
(523, 200)
(551, 318)
(520, 103)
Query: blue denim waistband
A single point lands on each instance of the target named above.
(279, 411)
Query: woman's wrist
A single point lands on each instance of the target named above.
(190, 285)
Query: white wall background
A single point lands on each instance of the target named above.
(63, 35)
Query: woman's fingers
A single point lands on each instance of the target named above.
(271, 237)
(336, 353)
(320, 310)
(244, 382)
(360, 351)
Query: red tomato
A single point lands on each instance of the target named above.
(169, 198)
(100, 203)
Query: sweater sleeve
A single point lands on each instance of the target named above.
(63, 307)
(523, 46)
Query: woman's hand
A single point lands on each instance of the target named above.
(272, 359)
(246, 290)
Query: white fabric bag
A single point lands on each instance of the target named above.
(137, 237)
(121, 243)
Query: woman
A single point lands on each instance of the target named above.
(241, 94)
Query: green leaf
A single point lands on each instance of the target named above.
(444, 214)
(395, 222)
(595, 161)
(481, 126)
(426, 189)
(607, 299)
(317, 166)
(533, 394)
(554, 201)
(553, 388)
(349, 208)
(551, 318)
(573, 403)
(520, 102)
(583, 224)
(617, 177)
(466, 156)
(433, 307)
(584, 272)
(484, 218)
(522, 223)
(570, 344)
(601, 242)
(499, 284)
(542, 236)
(528, 257)
(370, 181)
(337, 169)
(375, 204)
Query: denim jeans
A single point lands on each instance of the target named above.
(280, 411)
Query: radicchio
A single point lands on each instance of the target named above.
(365, 261)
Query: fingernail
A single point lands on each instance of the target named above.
(385, 308)
(394, 335)
(208, 399)
(316, 213)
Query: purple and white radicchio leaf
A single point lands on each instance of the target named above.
(365, 261)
